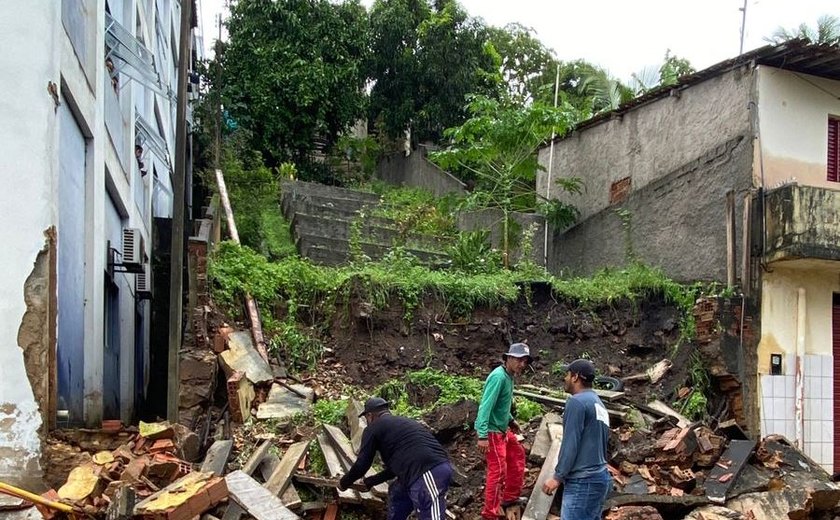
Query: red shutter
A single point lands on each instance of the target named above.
(833, 164)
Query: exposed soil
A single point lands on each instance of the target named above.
(369, 347)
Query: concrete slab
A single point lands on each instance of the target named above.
(243, 357)
(282, 403)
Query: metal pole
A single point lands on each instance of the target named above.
(176, 271)
(550, 166)
(743, 26)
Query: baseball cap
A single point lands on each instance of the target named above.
(582, 367)
(374, 404)
(519, 350)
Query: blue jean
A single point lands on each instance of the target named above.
(583, 498)
(426, 495)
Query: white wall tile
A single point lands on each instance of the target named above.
(766, 386)
(812, 364)
(789, 386)
(827, 453)
(827, 432)
(827, 366)
(826, 387)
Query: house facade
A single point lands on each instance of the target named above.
(88, 98)
(730, 175)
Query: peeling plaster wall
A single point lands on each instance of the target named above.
(28, 160)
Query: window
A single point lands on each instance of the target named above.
(833, 163)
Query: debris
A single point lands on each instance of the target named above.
(542, 440)
(653, 374)
(633, 513)
(241, 356)
(157, 430)
(539, 503)
(345, 453)
(357, 424)
(255, 499)
(240, 393)
(659, 406)
(722, 474)
(283, 404)
(336, 469)
(216, 458)
(280, 477)
(82, 483)
(185, 498)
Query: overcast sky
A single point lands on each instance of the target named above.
(625, 37)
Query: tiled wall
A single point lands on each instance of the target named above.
(778, 411)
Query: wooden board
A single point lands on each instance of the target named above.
(540, 503)
(542, 440)
(280, 477)
(663, 408)
(357, 424)
(216, 458)
(336, 469)
(345, 452)
(736, 454)
(256, 500)
(290, 497)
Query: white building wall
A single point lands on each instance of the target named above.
(28, 162)
(793, 113)
(781, 317)
(47, 77)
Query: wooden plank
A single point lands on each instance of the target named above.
(268, 465)
(730, 239)
(256, 500)
(561, 403)
(324, 482)
(659, 406)
(543, 440)
(746, 246)
(256, 458)
(345, 452)
(605, 395)
(357, 424)
(726, 471)
(217, 457)
(281, 475)
(540, 503)
(336, 469)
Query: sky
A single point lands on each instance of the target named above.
(627, 37)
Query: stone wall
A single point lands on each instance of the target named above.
(492, 220)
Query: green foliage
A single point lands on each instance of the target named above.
(452, 389)
(696, 404)
(827, 31)
(673, 68)
(297, 348)
(358, 156)
(317, 462)
(472, 254)
(327, 411)
(526, 409)
(293, 70)
(425, 59)
(415, 210)
(527, 66)
(498, 145)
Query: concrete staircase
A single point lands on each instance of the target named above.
(321, 218)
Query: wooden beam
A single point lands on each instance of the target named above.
(217, 457)
(345, 451)
(336, 469)
(357, 424)
(235, 511)
(540, 503)
(255, 499)
(746, 246)
(542, 440)
(730, 239)
(282, 474)
(250, 304)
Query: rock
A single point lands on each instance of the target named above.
(715, 513)
(633, 513)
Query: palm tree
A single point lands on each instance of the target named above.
(827, 32)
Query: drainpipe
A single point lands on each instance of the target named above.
(799, 402)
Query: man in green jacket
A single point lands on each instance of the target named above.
(497, 432)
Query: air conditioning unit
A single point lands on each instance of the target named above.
(143, 285)
(133, 250)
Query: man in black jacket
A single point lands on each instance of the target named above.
(410, 453)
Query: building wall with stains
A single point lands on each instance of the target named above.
(655, 182)
(793, 113)
(28, 160)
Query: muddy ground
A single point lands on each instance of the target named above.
(369, 347)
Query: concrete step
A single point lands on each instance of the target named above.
(290, 203)
(326, 251)
(309, 207)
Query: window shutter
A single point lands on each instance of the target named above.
(833, 163)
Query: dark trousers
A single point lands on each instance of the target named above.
(426, 495)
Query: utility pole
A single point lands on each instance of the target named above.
(218, 151)
(176, 270)
(743, 26)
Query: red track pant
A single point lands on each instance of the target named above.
(505, 472)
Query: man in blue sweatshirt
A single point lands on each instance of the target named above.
(582, 463)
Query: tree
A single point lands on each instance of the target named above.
(528, 67)
(293, 71)
(666, 74)
(499, 143)
(425, 60)
(826, 32)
